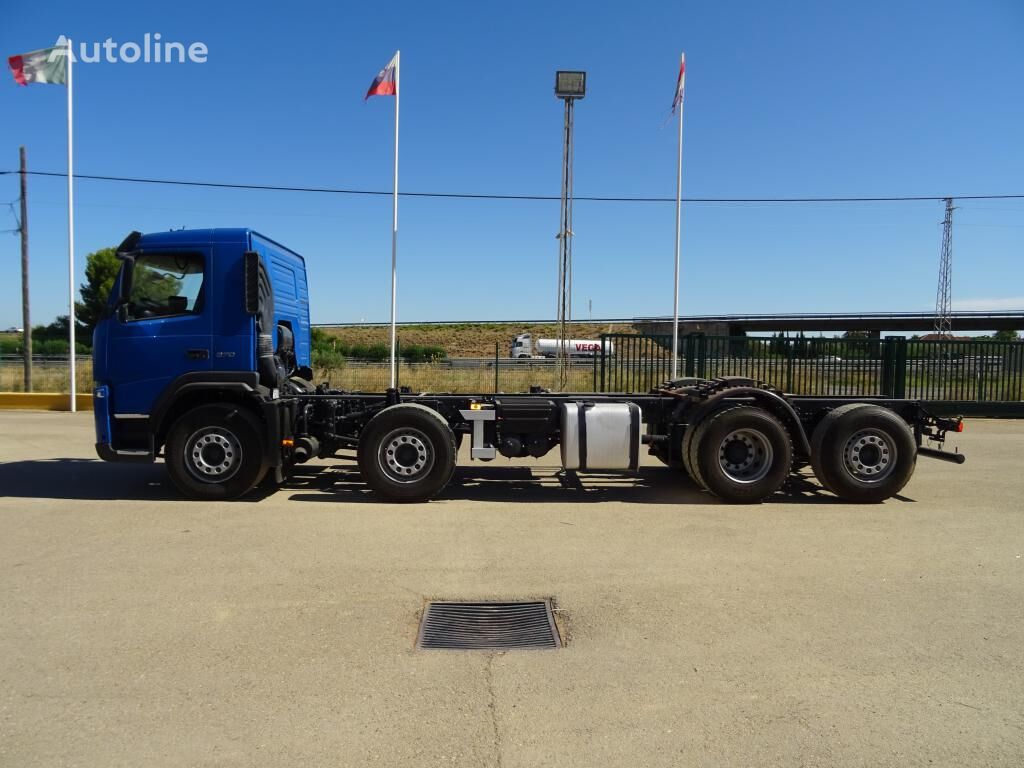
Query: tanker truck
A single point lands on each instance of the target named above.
(525, 346)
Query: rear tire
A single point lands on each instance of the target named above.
(689, 454)
(864, 454)
(742, 454)
(215, 452)
(688, 381)
(407, 453)
(818, 439)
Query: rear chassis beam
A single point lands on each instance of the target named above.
(340, 416)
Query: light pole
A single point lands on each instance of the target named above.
(569, 86)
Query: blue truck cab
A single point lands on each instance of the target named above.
(204, 330)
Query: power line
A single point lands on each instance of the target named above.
(472, 196)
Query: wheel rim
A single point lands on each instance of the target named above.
(406, 455)
(870, 455)
(213, 454)
(745, 455)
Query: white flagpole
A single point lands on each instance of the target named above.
(71, 237)
(394, 227)
(675, 282)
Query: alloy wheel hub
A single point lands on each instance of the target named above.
(406, 455)
(745, 455)
(213, 455)
(869, 455)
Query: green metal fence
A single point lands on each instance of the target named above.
(979, 376)
(462, 376)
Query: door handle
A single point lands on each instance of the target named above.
(198, 354)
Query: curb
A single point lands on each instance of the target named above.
(42, 401)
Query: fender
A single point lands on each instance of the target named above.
(776, 403)
(241, 382)
(277, 415)
(150, 426)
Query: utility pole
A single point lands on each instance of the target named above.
(943, 295)
(26, 314)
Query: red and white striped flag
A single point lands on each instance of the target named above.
(680, 83)
(386, 82)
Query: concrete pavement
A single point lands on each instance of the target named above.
(140, 629)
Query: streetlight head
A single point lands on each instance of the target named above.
(570, 85)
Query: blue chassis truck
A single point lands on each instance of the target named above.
(203, 358)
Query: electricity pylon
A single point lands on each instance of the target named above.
(943, 295)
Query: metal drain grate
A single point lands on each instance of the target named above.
(486, 626)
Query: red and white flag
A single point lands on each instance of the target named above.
(680, 83)
(386, 82)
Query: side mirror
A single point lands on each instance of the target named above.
(252, 282)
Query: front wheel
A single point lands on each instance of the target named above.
(215, 452)
(407, 453)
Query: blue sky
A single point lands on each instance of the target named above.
(783, 99)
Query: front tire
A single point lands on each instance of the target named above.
(407, 453)
(215, 452)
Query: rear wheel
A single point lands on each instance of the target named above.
(688, 454)
(863, 454)
(407, 453)
(818, 438)
(215, 452)
(742, 454)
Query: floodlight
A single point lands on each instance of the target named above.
(570, 85)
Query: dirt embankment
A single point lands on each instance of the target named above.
(471, 339)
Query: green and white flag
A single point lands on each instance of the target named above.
(47, 65)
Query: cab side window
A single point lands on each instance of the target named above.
(165, 285)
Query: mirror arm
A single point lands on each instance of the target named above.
(125, 284)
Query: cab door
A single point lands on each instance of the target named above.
(164, 329)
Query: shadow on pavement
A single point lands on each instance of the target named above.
(517, 484)
(84, 479)
(512, 484)
(92, 479)
(801, 488)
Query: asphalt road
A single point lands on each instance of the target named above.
(137, 629)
